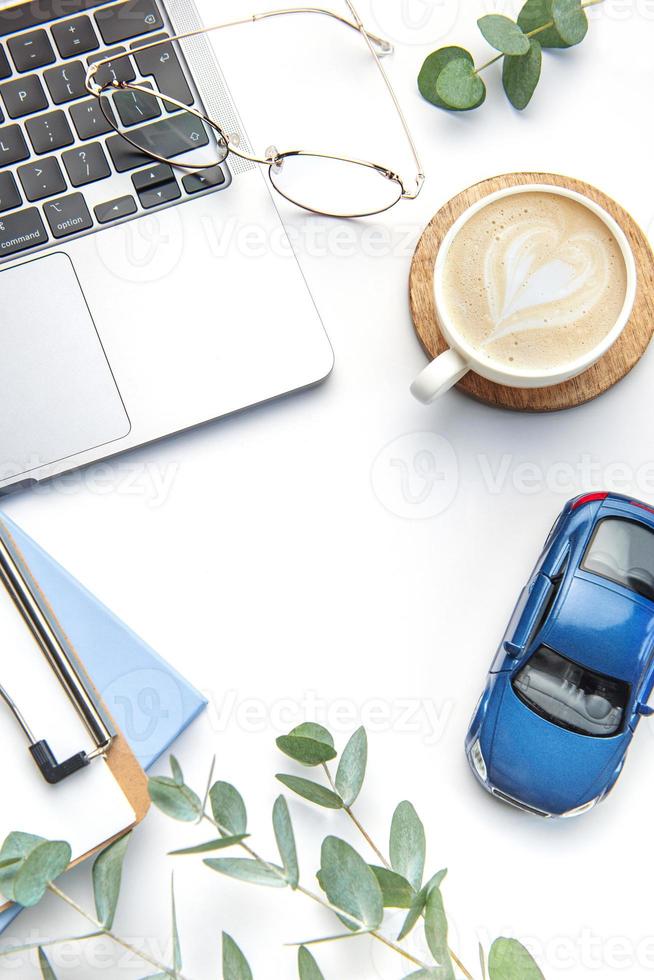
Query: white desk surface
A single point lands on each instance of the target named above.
(299, 554)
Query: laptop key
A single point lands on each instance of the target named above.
(120, 70)
(203, 181)
(21, 230)
(152, 197)
(168, 138)
(122, 21)
(75, 37)
(135, 108)
(9, 193)
(42, 179)
(86, 164)
(68, 215)
(49, 132)
(163, 65)
(21, 17)
(13, 146)
(30, 51)
(24, 96)
(122, 207)
(89, 119)
(66, 82)
(159, 173)
(5, 67)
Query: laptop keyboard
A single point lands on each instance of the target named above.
(64, 171)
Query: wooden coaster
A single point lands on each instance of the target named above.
(615, 364)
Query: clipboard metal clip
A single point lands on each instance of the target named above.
(61, 659)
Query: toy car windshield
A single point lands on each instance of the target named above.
(571, 696)
(623, 552)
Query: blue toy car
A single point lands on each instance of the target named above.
(575, 670)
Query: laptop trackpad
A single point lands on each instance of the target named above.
(58, 396)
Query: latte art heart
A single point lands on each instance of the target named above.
(535, 280)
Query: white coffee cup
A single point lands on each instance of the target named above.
(448, 368)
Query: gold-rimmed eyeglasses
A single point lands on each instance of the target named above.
(167, 127)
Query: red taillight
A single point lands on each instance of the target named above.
(637, 503)
(589, 498)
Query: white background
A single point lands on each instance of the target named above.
(351, 547)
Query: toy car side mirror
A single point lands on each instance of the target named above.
(515, 650)
(644, 709)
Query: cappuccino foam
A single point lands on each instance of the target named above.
(534, 281)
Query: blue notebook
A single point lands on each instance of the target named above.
(149, 701)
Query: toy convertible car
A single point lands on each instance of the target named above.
(575, 670)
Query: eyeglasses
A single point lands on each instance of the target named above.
(324, 183)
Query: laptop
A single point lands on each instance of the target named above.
(136, 301)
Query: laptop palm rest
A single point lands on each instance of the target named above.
(58, 396)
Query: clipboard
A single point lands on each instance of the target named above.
(115, 752)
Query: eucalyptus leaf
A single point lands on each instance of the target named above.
(419, 903)
(307, 967)
(520, 76)
(408, 844)
(350, 885)
(459, 85)
(309, 729)
(436, 934)
(46, 970)
(307, 751)
(286, 841)
(424, 975)
(235, 965)
(39, 863)
(176, 770)
(107, 874)
(178, 802)
(220, 844)
(397, 893)
(228, 809)
(351, 770)
(247, 869)
(431, 69)
(536, 14)
(313, 792)
(509, 960)
(177, 950)
(503, 34)
(570, 21)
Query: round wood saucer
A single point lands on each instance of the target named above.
(615, 364)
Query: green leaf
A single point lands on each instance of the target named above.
(436, 933)
(178, 802)
(307, 967)
(419, 903)
(424, 975)
(247, 869)
(397, 893)
(39, 863)
(408, 844)
(176, 770)
(313, 792)
(509, 960)
(459, 85)
(307, 751)
(309, 729)
(352, 767)
(107, 875)
(431, 69)
(235, 965)
(520, 76)
(534, 15)
(211, 845)
(350, 885)
(503, 34)
(46, 970)
(177, 951)
(228, 809)
(286, 840)
(570, 21)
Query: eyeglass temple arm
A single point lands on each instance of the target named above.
(420, 177)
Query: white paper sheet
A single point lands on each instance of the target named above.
(86, 809)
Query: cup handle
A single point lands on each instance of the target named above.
(439, 376)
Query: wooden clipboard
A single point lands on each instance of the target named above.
(119, 757)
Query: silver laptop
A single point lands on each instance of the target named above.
(135, 302)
